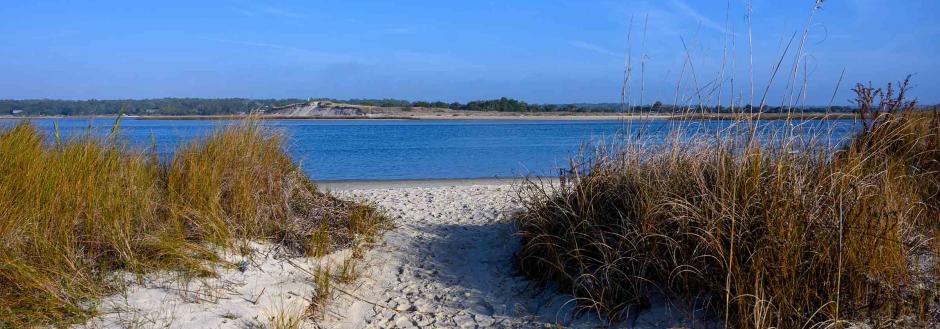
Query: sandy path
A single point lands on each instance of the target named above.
(447, 263)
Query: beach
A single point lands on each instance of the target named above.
(472, 164)
(445, 263)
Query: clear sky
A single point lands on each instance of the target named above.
(546, 51)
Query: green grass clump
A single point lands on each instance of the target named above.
(788, 234)
(73, 212)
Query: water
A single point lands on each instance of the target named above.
(414, 149)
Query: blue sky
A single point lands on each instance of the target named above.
(549, 51)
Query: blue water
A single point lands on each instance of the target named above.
(415, 149)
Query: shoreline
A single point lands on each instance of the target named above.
(472, 116)
(375, 184)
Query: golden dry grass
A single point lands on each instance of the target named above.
(73, 212)
(787, 234)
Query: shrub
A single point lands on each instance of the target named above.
(786, 234)
(73, 212)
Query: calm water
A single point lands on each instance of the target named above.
(413, 149)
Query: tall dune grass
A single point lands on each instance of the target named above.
(73, 212)
(779, 234)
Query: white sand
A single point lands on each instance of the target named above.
(271, 283)
(447, 263)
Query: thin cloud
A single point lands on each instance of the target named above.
(311, 54)
(401, 30)
(592, 47)
(56, 35)
(409, 60)
(260, 44)
(266, 10)
(694, 14)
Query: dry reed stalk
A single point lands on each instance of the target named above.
(785, 233)
(73, 212)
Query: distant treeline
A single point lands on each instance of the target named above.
(158, 106)
(498, 105)
(511, 105)
(228, 106)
